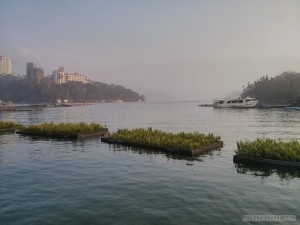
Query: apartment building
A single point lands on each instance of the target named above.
(34, 74)
(5, 65)
(61, 77)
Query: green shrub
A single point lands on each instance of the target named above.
(182, 140)
(8, 125)
(63, 128)
(269, 149)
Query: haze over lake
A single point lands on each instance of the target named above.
(163, 49)
(175, 55)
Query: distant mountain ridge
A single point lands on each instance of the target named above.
(21, 90)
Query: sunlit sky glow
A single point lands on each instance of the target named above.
(165, 49)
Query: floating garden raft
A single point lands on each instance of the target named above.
(6, 126)
(65, 130)
(268, 152)
(181, 143)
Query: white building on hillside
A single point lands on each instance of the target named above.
(62, 77)
(5, 65)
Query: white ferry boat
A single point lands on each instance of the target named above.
(235, 103)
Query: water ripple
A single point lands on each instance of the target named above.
(47, 181)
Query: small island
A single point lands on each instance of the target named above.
(181, 143)
(7, 126)
(268, 152)
(65, 130)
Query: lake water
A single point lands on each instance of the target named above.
(45, 181)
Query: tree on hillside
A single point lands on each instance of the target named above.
(22, 90)
(283, 88)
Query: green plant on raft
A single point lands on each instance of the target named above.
(269, 149)
(182, 140)
(63, 128)
(8, 125)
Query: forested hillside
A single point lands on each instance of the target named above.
(21, 90)
(282, 88)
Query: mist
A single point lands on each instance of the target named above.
(170, 50)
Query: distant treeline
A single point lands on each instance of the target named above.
(22, 90)
(282, 88)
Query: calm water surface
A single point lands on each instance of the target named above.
(46, 181)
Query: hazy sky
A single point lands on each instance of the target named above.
(179, 49)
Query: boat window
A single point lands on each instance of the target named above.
(248, 100)
(221, 102)
(229, 102)
(240, 101)
(235, 101)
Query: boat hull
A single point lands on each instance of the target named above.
(236, 103)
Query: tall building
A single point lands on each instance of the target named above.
(5, 65)
(34, 74)
(61, 77)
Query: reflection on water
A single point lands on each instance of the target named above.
(266, 171)
(150, 151)
(50, 181)
(36, 138)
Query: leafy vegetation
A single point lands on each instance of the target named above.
(17, 89)
(269, 149)
(282, 88)
(62, 128)
(8, 125)
(182, 140)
